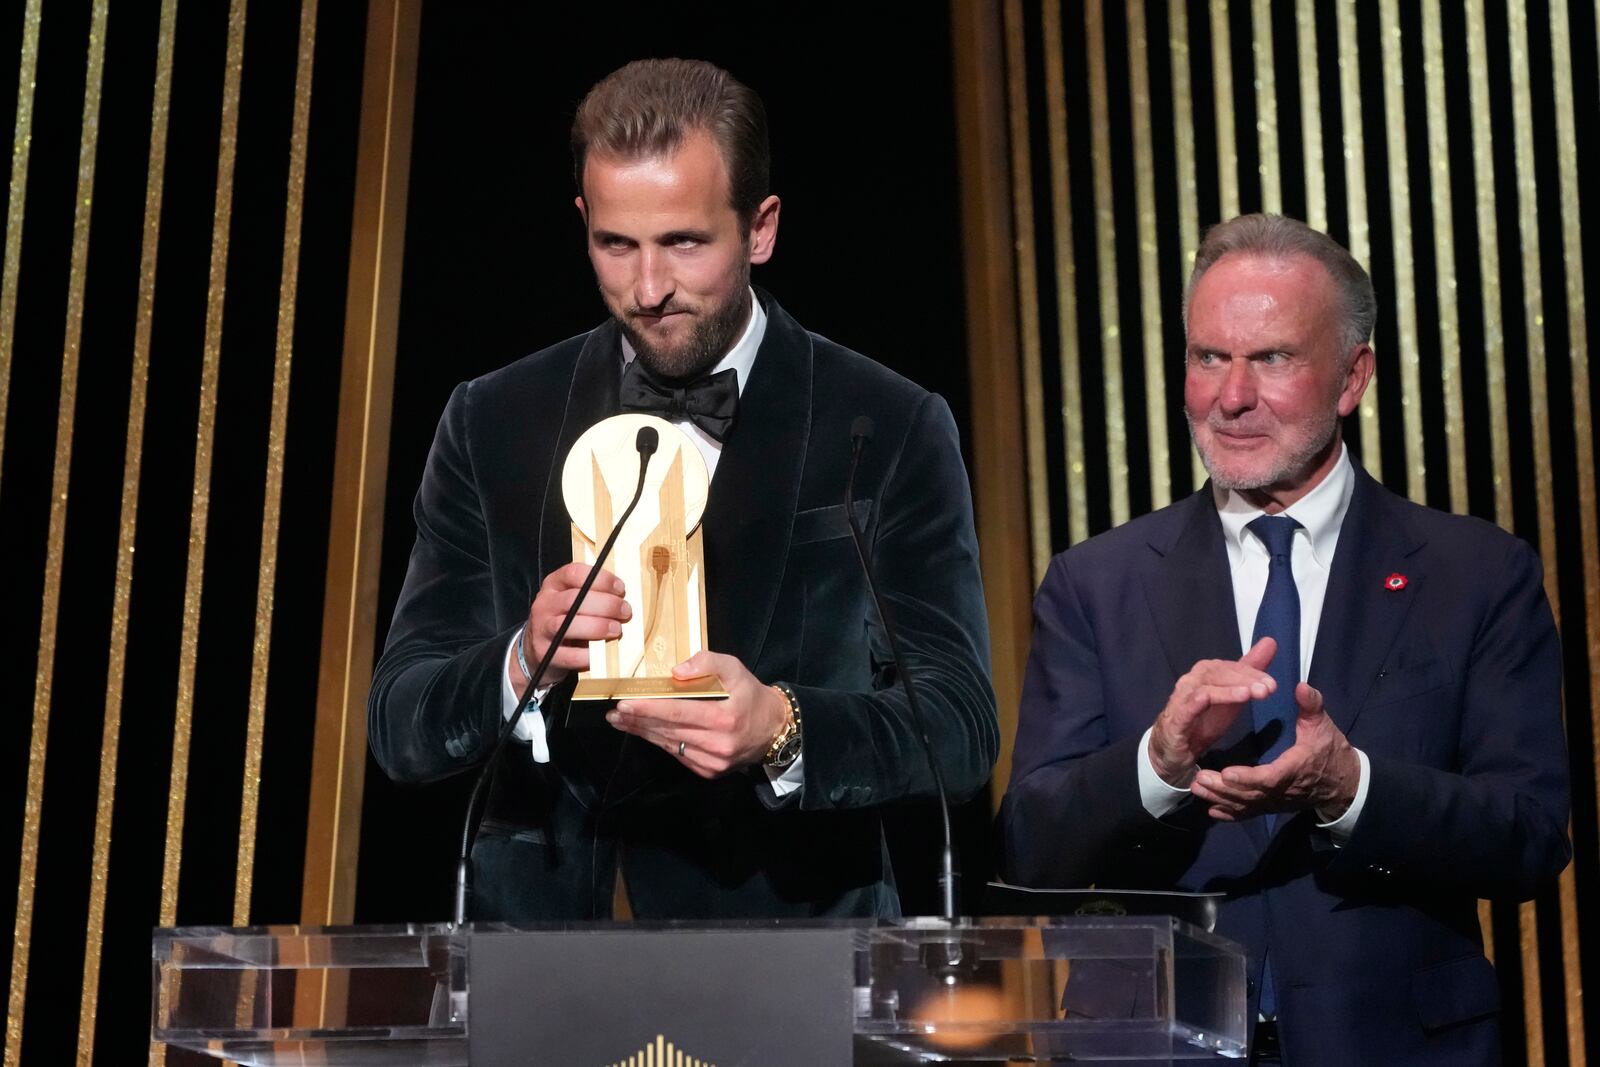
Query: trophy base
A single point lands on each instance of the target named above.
(708, 687)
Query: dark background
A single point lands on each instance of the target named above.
(100, 414)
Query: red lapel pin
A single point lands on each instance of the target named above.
(1395, 582)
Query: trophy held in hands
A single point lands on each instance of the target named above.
(659, 556)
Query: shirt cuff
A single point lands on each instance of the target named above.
(1341, 828)
(530, 727)
(789, 780)
(1159, 798)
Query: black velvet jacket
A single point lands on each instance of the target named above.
(784, 595)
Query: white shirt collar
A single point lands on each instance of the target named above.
(741, 357)
(1320, 512)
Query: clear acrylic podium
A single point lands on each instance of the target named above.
(993, 990)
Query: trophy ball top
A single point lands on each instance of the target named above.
(606, 459)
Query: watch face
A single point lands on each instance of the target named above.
(788, 752)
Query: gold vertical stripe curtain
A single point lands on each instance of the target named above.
(17, 200)
(122, 594)
(272, 509)
(49, 615)
(1439, 142)
(94, 293)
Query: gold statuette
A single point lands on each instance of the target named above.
(658, 555)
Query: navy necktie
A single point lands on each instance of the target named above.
(1278, 618)
(1274, 718)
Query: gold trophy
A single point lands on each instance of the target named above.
(658, 555)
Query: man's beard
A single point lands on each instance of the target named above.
(1292, 464)
(715, 331)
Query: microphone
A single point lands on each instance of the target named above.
(949, 877)
(645, 442)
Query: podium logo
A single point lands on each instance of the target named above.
(661, 1054)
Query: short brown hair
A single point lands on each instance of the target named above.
(648, 107)
(1279, 236)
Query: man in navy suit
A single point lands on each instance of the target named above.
(1338, 708)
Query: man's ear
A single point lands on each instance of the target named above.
(764, 230)
(1362, 365)
(583, 210)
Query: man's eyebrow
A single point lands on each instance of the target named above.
(1264, 350)
(673, 236)
(608, 235)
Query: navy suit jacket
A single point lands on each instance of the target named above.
(1450, 685)
(785, 596)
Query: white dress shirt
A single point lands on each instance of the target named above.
(1320, 514)
(740, 358)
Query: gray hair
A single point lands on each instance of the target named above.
(1278, 236)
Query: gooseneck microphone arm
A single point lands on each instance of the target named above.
(949, 878)
(646, 443)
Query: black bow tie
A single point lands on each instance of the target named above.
(710, 402)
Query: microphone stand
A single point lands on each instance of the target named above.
(646, 443)
(949, 878)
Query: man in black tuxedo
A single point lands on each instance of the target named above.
(1295, 688)
(766, 803)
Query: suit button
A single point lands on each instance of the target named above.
(469, 742)
(837, 793)
(452, 747)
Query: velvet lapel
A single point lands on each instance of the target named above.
(750, 513)
(1190, 592)
(1362, 617)
(592, 396)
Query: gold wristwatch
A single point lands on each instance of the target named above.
(785, 748)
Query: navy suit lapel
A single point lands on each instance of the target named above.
(755, 492)
(1190, 592)
(592, 396)
(1361, 616)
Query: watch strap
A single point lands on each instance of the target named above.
(785, 747)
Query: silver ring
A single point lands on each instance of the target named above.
(681, 746)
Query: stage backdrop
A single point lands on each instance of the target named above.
(205, 357)
(1441, 142)
(233, 303)
(172, 300)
